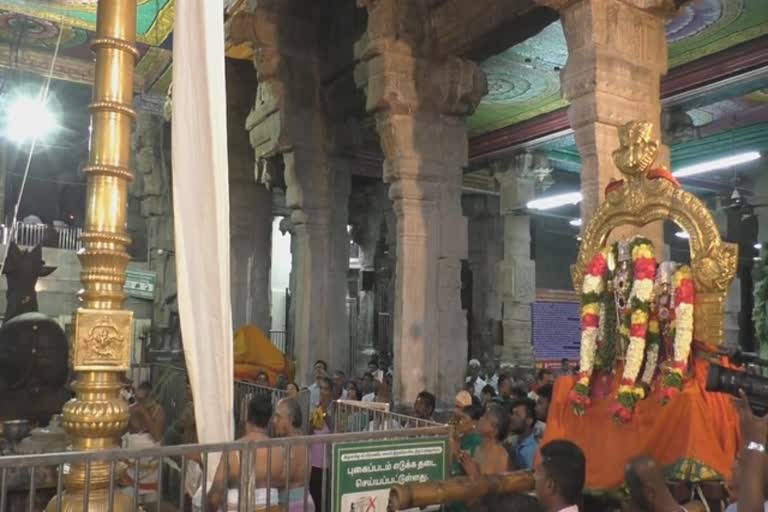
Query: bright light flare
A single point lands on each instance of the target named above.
(575, 223)
(714, 165)
(27, 117)
(547, 203)
(683, 234)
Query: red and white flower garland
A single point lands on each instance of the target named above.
(640, 325)
(640, 297)
(684, 297)
(592, 313)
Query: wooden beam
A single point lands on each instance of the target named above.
(519, 134)
(719, 66)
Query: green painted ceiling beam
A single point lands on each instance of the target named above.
(747, 138)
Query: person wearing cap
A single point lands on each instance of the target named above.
(473, 377)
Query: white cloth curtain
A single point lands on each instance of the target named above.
(201, 213)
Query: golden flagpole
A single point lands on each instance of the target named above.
(103, 335)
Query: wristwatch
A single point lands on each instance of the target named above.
(756, 447)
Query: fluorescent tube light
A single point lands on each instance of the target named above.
(714, 165)
(547, 203)
(575, 223)
(683, 234)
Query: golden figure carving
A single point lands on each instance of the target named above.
(641, 199)
(97, 416)
(103, 339)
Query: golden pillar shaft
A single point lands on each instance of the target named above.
(97, 416)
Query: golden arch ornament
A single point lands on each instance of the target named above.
(645, 196)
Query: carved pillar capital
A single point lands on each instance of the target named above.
(660, 7)
(402, 83)
(478, 206)
(398, 71)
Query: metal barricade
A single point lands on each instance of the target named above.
(38, 234)
(257, 475)
(245, 391)
(373, 417)
(169, 389)
(278, 339)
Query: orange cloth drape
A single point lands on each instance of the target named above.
(255, 353)
(695, 425)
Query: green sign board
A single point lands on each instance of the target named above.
(363, 472)
(140, 284)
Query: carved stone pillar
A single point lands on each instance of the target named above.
(486, 253)
(250, 209)
(617, 54)
(318, 205)
(152, 187)
(518, 272)
(367, 211)
(419, 104)
(338, 347)
(288, 120)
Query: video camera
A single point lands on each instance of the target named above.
(726, 380)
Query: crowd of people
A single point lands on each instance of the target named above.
(498, 419)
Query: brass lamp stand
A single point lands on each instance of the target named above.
(101, 347)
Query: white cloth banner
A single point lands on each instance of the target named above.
(201, 214)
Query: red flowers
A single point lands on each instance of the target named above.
(638, 330)
(577, 398)
(644, 268)
(598, 265)
(678, 365)
(685, 293)
(669, 392)
(622, 414)
(589, 320)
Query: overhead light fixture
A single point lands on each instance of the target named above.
(549, 202)
(714, 165)
(758, 246)
(683, 234)
(27, 117)
(575, 222)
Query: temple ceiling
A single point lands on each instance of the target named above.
(524, 81)
(29, 30)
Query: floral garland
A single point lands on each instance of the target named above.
(653, 343)
(684, 296)
(641, 295)
(592, 315)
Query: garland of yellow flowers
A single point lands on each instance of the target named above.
(675, 369)
(593, 316)
(640, 298)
